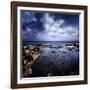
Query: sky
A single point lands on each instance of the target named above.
(49, 26)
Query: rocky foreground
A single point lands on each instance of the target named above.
(48, 60)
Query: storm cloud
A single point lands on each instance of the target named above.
(46, 26)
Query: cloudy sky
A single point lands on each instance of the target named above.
(49, 26)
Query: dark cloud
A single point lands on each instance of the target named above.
(44, 26)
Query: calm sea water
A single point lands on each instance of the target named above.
(49, 42)
(55, 62)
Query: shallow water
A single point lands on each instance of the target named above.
(56, 62)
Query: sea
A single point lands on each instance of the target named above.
(48, 42)
(55, 61)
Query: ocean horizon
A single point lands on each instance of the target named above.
(48, 42)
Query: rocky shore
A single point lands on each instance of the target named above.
(30, 54)
(33, 53)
